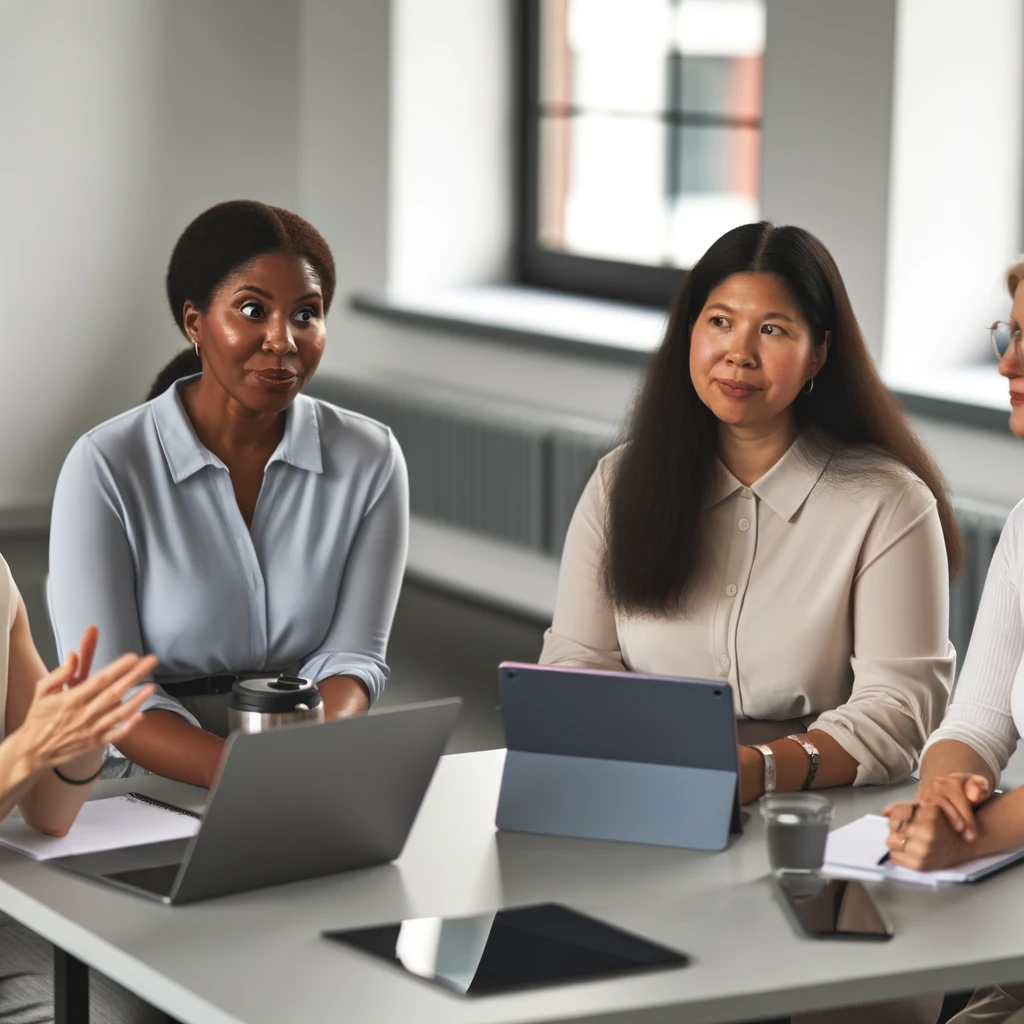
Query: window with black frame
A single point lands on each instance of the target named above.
(641, 139)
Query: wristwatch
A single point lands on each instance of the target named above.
(769, 766)
(812, 753)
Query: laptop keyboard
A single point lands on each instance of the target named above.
(158, 880)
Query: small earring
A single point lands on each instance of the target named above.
(808, 387)
(195, 345)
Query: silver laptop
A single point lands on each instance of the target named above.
(618, 755)
(297, 802)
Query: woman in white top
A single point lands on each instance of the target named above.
(55, 728)
(771, 522)
(966, 755)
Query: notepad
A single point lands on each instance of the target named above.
(109, 824)
(854, 850)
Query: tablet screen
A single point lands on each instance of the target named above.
(510, 949)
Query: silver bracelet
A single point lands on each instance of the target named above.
(769, 765)
(812, 753)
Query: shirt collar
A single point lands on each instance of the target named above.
(186, 454)
(722, 485)
(786, 486)
(300, 446)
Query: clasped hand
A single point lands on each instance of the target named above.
(938, 830)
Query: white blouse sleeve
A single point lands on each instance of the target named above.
(979, 713)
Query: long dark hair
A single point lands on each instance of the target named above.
(220, 241)
(655, 530)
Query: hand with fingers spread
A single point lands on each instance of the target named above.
(921, 837)
(71, 715)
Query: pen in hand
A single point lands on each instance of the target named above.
(884, 859)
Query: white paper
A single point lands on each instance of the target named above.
(860, 844)
(854, 850)
(108, 824)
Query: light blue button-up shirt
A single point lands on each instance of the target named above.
(147, 542)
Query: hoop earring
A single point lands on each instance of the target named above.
(195, 345)
(808, 387)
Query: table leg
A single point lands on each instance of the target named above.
(70, 989)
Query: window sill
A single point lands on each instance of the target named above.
(530, 317)
(972, 395)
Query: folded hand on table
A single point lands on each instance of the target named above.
(957, 794)
(921, 837)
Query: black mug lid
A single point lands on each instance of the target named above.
(273, 695)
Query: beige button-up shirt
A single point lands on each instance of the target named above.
(824, 602)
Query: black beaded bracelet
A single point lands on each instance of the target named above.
(77, 782)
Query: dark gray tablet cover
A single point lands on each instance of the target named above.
(620, 756)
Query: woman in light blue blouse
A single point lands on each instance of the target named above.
(233, 525)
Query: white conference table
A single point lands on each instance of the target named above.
(257, 957)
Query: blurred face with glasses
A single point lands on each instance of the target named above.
(1007, 342)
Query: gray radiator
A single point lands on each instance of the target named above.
(465, 470)
(494, 468)
(503, 471)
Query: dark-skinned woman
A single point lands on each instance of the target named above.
(233, 525)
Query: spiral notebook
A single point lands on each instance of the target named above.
(112, 823)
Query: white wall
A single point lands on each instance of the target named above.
(955, 222)
(827, 128)
(451, 172)
(122, 120)
(343, 119)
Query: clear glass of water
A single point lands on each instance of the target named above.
(797, 826)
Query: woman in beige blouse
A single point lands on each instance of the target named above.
(771, 521)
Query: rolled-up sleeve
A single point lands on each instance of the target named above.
(903, 663)
(583, 633)
(92, 571)
(356, 642)
(980, 713)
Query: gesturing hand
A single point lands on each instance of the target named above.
(69, 717)
(957, 794)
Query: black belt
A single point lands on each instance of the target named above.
(201, 686)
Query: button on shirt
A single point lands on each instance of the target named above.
(824, 601)
(147, 542)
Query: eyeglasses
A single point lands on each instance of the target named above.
(1005, 336)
